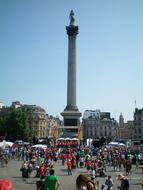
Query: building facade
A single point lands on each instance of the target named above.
(126, 130)
(121, 120)
(138, 125)
(37, 120)
(99, 125)
(53, 124)
(36, 117)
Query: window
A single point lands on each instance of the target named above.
(93, 122)
(140, 130)
(70, 122)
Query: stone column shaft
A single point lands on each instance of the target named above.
(72, 31)
(71, 81)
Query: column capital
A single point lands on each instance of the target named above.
(72, 30)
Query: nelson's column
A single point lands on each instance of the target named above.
(71, 114)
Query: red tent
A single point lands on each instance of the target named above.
(5, 184)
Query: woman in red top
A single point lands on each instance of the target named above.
(42, 171)
(69, 165)
(63, 159)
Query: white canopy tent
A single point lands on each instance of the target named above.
(113, 143)
(67, 139)
(121, 144)
(39, 146)
(5, 144)
(74, 139)
(116, 144)
(61, 139)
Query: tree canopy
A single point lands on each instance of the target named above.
(15, 125)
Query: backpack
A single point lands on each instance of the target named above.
(125, 184)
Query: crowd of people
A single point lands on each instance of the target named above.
(96, 161)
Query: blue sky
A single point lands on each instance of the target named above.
(34, 46)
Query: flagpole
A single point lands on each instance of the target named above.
(135, 104)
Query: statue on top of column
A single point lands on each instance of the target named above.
(72, 19)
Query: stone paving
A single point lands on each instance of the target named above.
(12, 171)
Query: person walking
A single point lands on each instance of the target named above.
(69, 165)
(109, 183)
(42, 171)
(24, 170)
(52, 181)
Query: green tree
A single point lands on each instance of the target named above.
(2, 125)
(17, 125)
